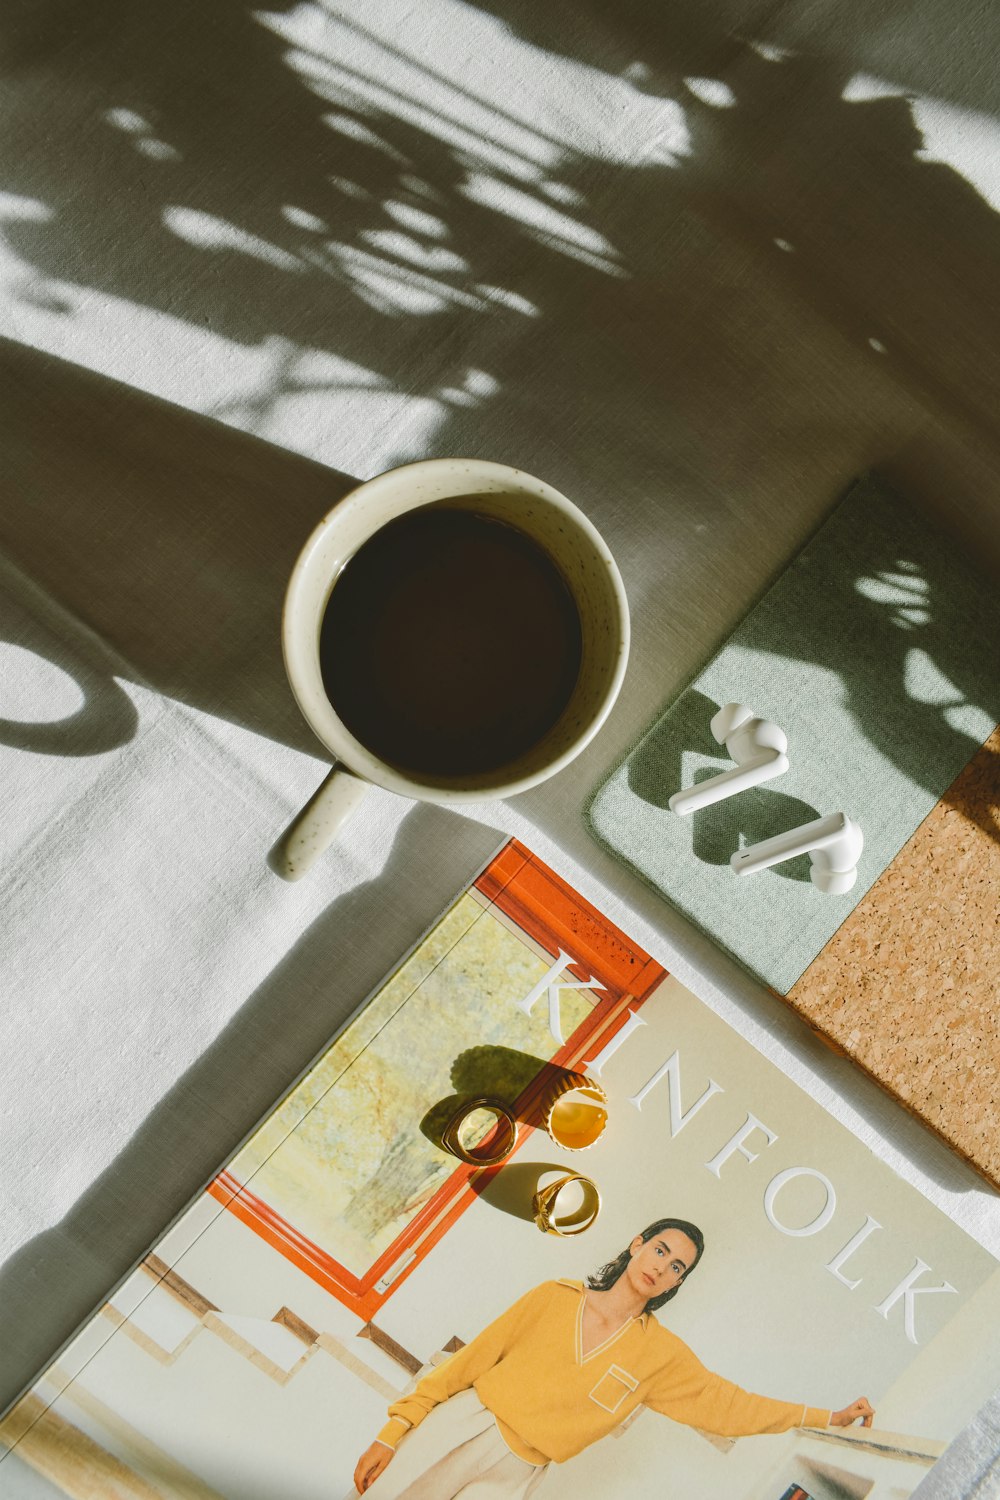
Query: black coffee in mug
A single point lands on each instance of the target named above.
(450, 643)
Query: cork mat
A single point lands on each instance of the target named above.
(909, 986)
(875, 651)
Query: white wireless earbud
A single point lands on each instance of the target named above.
(833, 843)
(756, 745)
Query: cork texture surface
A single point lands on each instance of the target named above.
(909, 985)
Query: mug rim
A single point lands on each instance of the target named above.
(355, 757)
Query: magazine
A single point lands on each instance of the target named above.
(412, 1258)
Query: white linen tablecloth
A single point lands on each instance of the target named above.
(697, 265)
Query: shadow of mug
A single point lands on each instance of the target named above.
(105, 719)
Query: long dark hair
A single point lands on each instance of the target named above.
(604, 1279)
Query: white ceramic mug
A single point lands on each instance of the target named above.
(494, 490)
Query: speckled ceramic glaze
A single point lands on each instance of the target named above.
(490, 489)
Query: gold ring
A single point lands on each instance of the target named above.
(487, 1151)
(550, 1221)
(575, 1111)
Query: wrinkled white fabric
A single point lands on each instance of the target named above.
(696, 266)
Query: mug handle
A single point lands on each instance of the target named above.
(314, 828)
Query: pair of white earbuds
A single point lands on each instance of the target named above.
(760, 749)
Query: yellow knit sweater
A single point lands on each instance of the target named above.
(550, 1401)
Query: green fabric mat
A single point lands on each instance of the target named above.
(876, 651)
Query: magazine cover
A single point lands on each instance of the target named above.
(536, 1222)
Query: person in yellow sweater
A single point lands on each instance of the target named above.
(562, 1367)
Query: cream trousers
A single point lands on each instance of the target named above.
(456, 1451)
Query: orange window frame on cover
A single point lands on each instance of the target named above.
(554, 916)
